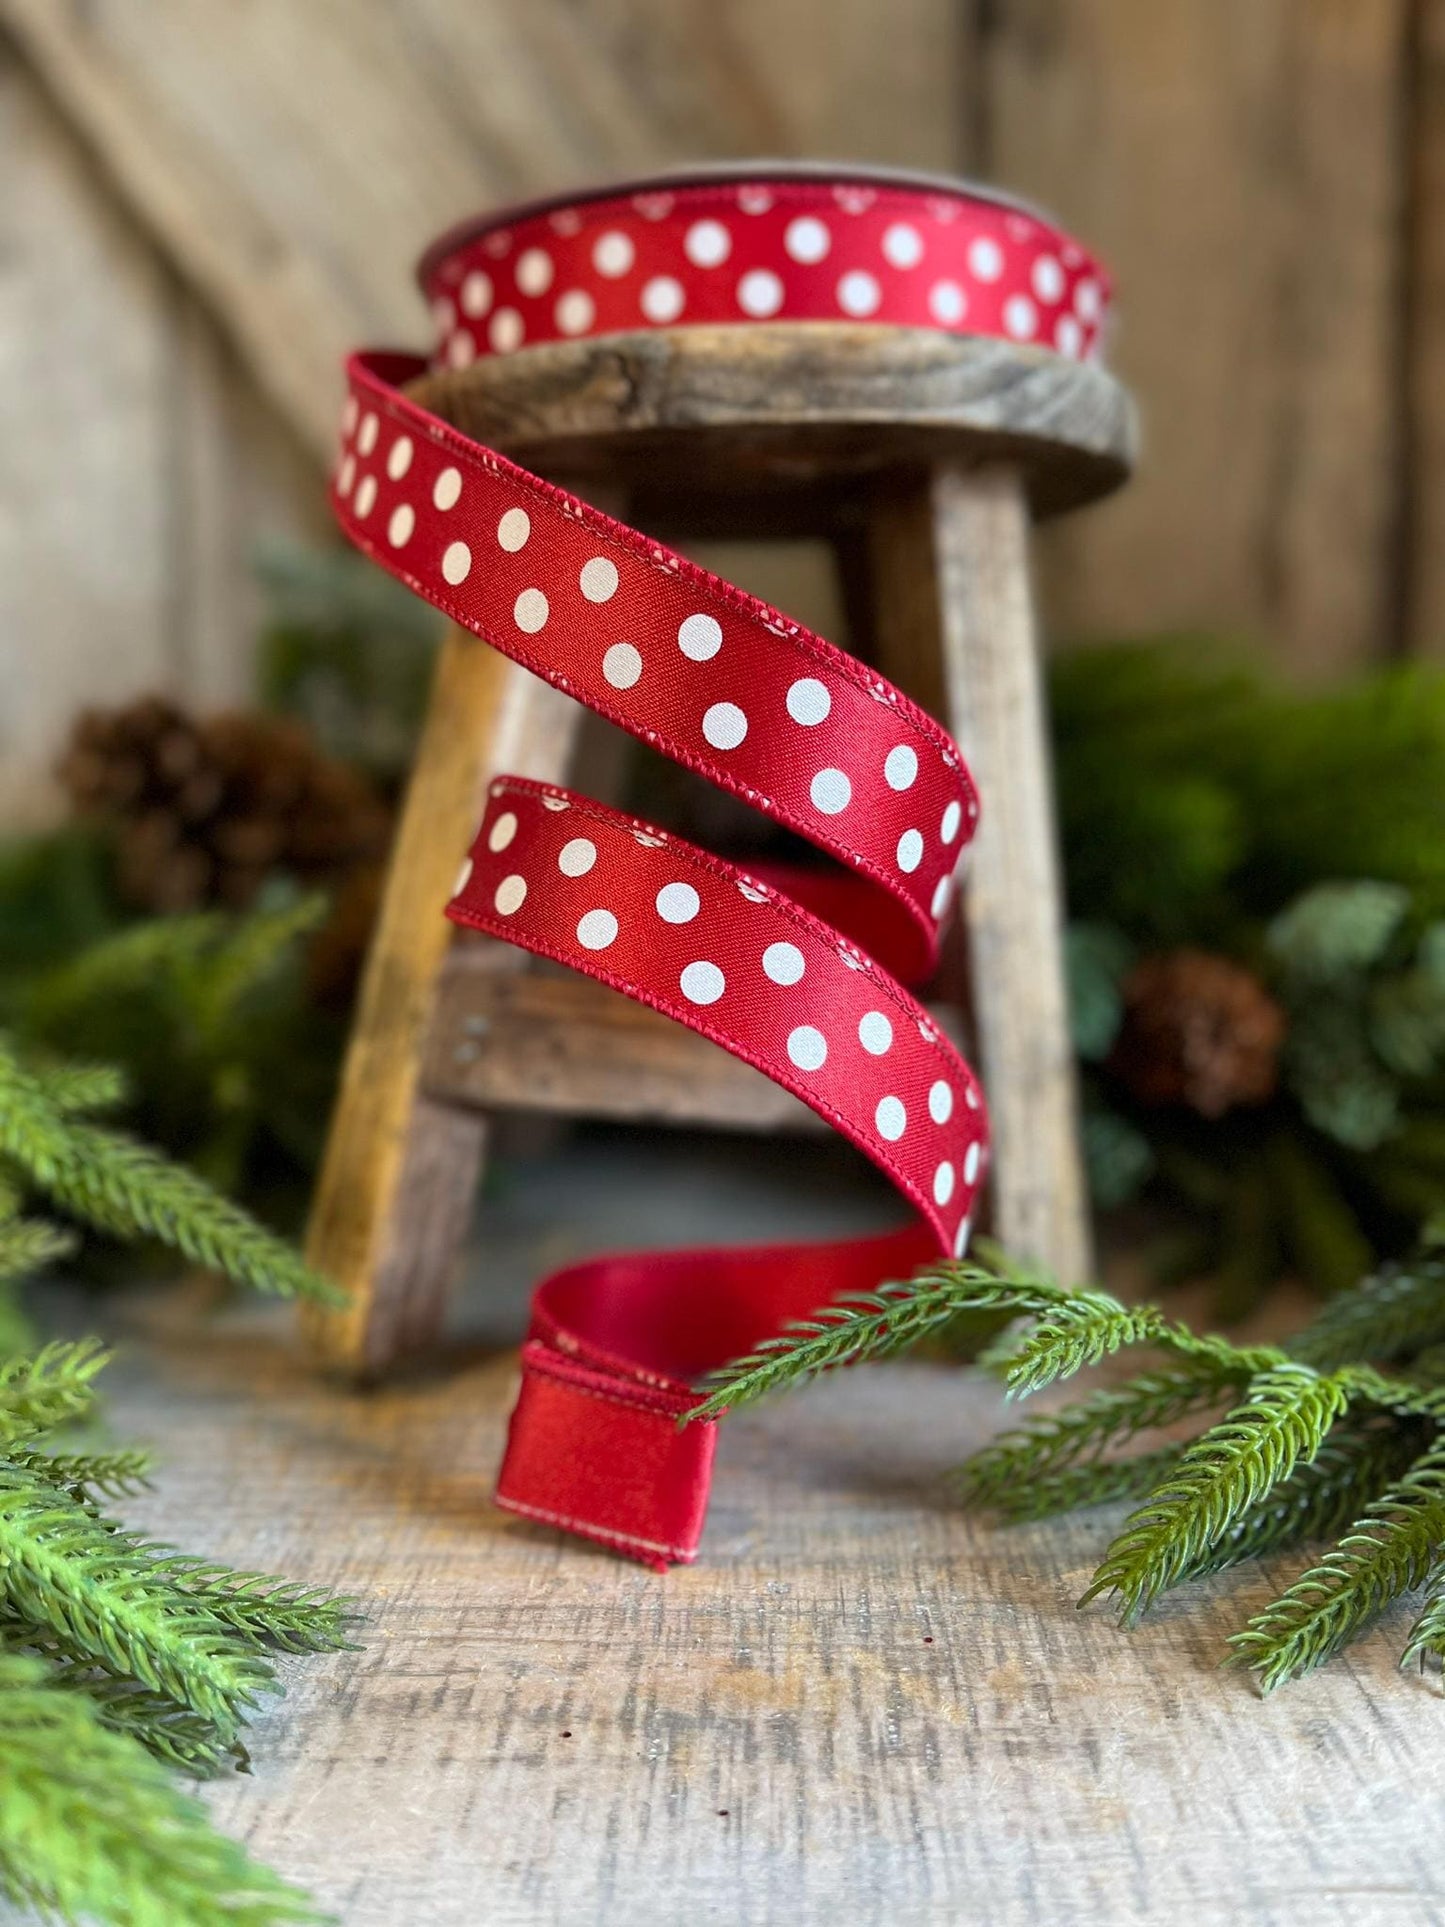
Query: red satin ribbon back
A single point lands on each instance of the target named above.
(720, 682)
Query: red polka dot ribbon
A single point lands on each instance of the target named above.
(797, 974)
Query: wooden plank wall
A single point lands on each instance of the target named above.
(1266, 177)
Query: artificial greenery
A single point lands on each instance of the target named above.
(1300, 834)
(1338, 1435)
(119, 1658)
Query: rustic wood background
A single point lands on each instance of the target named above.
(205, 203)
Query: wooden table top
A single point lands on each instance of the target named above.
(860, 1705)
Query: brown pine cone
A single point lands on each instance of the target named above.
(1198, 1030)
(204, 811)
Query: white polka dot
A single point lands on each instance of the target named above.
(808, 1048)
(831, 792)
(947, 303)
(699, 638)
(1048, 278)
(511, 894)
(943, 1183)
(940, 897)
(530, 611)
(760, 293)
(457, 563)
(1087, 304)
(575, 311)
(900, 767)
(910, 850)
(707, 244)
(724, 725)
(940, 1102)
(1068, 337)
(461, 350)
(622, 665)
(613, 253)
(783, 963)
(971, 1162)
(349, 414)
(858, 292)
(678, 903)
(365, 496)
(476, 294)
(890, 1118)
(662, 299)
(807, 239)
(464, 877)
(985, 259)
(370, 428)
(513, 530)
(502, 831)
(398, 457)
(598, 579)
(505, 330)
(952, 817)
(347, 475)
(597, 929)
(960, 1243)
(399, 528)
(447, 489)
(1020, 317)
(534, 271)
(576, 858)
(875, 1033)
(809, 701)
(754, 200)
(702, 983)
(902, 245)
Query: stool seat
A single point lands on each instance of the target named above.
(780, 405)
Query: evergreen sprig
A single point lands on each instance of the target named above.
(92, 1827)
(39, 1393)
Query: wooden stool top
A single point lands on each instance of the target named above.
(788, 404)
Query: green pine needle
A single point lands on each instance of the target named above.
(27, 1245)
(1073, 1488)
(115, 1475)
(112, 1604)
(872, 1325)
(265, 1610)
(1086, 1329)
(43, 1391)
(1426, 1645)
(1231, 1468)
(1399, 1310)
(91, 1826)
(1392, 1549)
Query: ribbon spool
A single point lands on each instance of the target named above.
(801, 974)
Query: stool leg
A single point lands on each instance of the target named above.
(394, 1198)
(955, 626)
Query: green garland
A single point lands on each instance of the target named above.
(1339, 1435)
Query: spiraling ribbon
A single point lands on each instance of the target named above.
(800, 974)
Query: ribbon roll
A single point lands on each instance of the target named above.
(802, 976)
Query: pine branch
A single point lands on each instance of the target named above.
(1096, 1482)
(74, 1088)
(41, 1392)
(1391, 1550)
(1079, 1431)
(871, 1325)
(1086, 1329)
(265, 1610)
(123, 1187)
(28, 1245)
(91, 1826)
(247, 955)
(116, 1475)
(1397, 1311)
(1232, 1467)
(1426, 1644)
(109, 1602)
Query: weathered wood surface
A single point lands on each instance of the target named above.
(1423, 626)
(860, 1705)
(956, 628)
(395, 1192)
(790, 404)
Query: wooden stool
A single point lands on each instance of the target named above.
(921, 457)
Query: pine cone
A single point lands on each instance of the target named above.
(1198, 1030)
(204, 811)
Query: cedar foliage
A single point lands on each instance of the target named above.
(1338, 1436)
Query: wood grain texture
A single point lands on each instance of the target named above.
(1424, 502)
(394, 1195)
(1240, 165)
(785, 405)
(955, 626)
(859, 1705)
